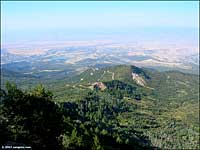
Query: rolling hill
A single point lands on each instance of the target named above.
(163, 106)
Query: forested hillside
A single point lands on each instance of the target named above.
(119, 107)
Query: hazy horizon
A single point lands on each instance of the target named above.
(57, 21)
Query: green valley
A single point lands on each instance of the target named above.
(113, 107)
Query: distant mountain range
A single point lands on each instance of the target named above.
(75, 58)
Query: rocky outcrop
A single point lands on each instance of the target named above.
(139, 80)
(99, 85)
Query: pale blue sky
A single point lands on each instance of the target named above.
(26, 20)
